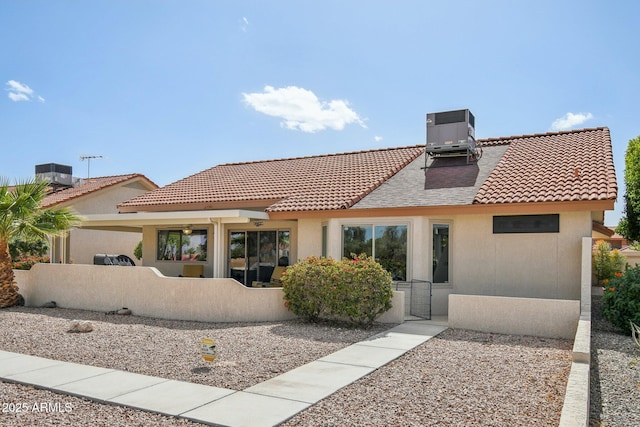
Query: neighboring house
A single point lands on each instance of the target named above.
(508, 224)
(608, 234)
(91, 196)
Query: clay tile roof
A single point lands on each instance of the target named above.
(335, 181)
(564, 166)
(87, 186)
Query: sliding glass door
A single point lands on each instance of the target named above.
(253, 255)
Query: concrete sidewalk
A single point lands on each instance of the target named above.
(271, 402)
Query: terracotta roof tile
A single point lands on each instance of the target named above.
(87, 186)
(563, 166)
(335, 181)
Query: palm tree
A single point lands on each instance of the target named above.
(21, 215)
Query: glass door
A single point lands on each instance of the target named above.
(238, 255)
(253, 255)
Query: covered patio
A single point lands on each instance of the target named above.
(215, 239)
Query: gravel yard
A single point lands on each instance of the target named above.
(457, 378)
(615, 373)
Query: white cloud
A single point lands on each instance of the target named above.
(300, 109)
(21, 92)
(570, 120)
(244, 24)
(18, 97)
(19, 87)
(377, 138)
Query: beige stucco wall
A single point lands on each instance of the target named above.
(537, 265)
(551, 318)
(147, 292)
(545, 265)
(633, 257)
(87, 243)
(310, 241)
(106, 200)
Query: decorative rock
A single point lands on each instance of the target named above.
(80, 326)
(121, 311)
(50, 304)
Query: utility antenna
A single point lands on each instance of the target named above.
(88, 159)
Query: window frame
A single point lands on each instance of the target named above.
(179, 257)
(373, 225)
(449, 283)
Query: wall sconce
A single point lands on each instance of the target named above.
(258, 223)
(187, 230)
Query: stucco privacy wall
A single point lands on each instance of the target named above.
(148, 293)
(551, 318)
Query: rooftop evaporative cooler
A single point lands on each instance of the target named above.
(451, 133)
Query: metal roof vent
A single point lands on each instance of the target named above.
(452, 133)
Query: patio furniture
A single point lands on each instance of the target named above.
(192, 270)
(274, 280)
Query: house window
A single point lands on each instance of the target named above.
(440, 273)
(174, 245)
(526, 224)
(386, 243)
(324, 241)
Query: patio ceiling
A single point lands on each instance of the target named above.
(134, 222)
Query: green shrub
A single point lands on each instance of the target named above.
(25, 263)
(621, 299)
(307, 286)
(19, 248)
(606, 262)
(363, 291)
(137, 251)
(357, 290)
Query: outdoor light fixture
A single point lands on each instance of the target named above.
(187, 230)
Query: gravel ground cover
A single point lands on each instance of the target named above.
(458, 378)
(247, 353)
(615, 373)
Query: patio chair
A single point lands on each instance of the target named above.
(275, 277)
(192, 271)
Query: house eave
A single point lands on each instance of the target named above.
(495, 208)
(135, 221)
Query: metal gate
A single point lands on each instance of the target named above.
(417, 298)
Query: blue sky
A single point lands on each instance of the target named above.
(170, 88)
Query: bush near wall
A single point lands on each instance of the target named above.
(621, 298)
(357, 290)
(606, 262)
(25, 263)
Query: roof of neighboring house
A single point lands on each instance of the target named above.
(88, 186)
(602, 229)
(560, 166)
(323, 182)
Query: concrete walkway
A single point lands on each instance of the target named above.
(266, 404)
